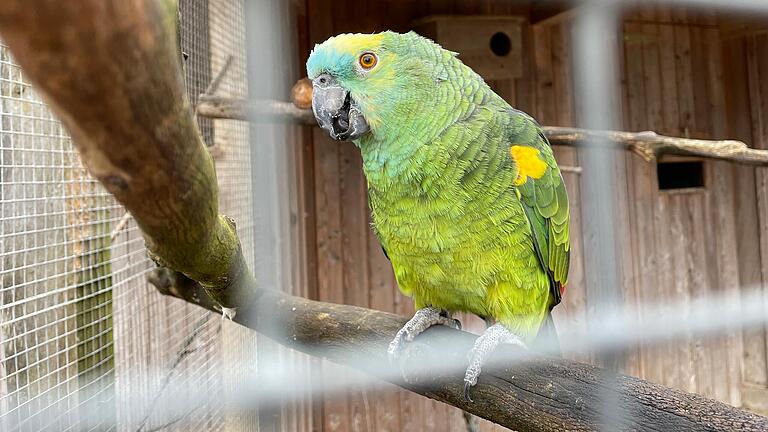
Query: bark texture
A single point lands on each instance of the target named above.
(110, 70)
(533, 393)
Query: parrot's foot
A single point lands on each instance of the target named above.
(484, 346)
(422, 320)
(228, 313)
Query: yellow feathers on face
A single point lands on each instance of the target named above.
(529, 164)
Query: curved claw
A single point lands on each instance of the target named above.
(393, 351)
(421, 320)
(484, 346)
(467, 386)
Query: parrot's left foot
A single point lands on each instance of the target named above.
(484, 346)
(421, 320)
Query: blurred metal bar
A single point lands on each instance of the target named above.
(596, 44)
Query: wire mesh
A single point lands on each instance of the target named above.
(55, 323)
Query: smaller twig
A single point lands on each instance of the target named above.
(214, 84)
(180, 356)
(175, 420)
(265, 110)
(216, 81)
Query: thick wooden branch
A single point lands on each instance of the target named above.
(110, 71)
(649, 145)
(537, 394)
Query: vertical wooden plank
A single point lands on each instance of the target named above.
(645, 196)
(666, 238)
(561, 76)
(544, 103)
(723, 248)
(758, 79)
(700, 78)
(562, 103)
(748, 234)
(757, 70)
(722, 210)
(625, 215)
(670, 111)
(684, 76)
(525, 86)
(652, 76)
(691, 358)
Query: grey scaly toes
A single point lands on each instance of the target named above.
(421, 320)
(484, 346)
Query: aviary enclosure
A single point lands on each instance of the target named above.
(670, 230)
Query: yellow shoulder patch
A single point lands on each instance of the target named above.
(529, 164)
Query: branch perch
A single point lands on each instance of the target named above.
(539, 394)
(649, 145)
(110, 71)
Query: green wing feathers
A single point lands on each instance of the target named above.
(544, 198)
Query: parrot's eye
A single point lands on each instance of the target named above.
(368, 60)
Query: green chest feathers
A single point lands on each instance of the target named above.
(452, 223)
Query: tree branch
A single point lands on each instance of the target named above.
(536, 394)
(649, 145)
(110, 71)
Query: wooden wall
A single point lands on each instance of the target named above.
(745, 56)
(677, 245)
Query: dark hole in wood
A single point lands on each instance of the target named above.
(680, 175)
(501, 45)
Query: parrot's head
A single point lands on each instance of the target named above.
(363, 84)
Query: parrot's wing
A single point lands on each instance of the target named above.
(544, 198)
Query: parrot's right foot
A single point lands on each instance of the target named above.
(422, 320)
(484, 346)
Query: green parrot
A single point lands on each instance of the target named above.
(465, 194)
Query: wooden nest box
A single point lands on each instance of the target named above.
(490, 45)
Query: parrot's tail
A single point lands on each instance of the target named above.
(546, 340)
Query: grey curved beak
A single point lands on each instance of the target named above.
(335, 110)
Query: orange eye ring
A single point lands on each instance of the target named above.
(368, 60)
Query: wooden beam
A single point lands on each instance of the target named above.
(110, 71)
(649, 145)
